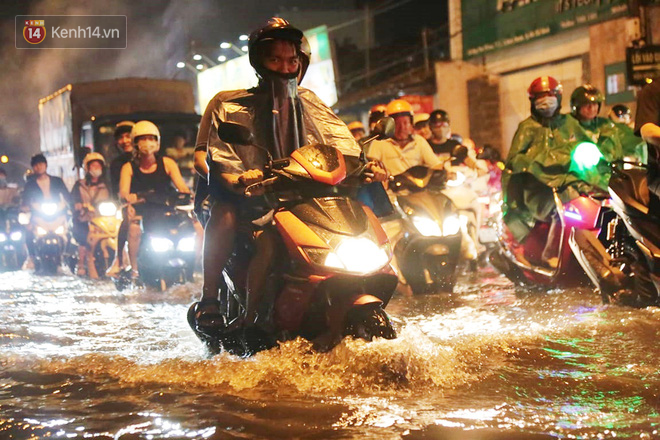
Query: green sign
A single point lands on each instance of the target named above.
(490, 25)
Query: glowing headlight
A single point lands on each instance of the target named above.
(586, 155)
(107, 209)
(458, 181)
(359, 255)
(41, 231)
(59, 230)
(23, 218)
(3, 237)
(48, 208)
(427, 227)
(451, 225)
(160, 244)
(186, 244)
(15, 236)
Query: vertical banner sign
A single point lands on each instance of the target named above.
(34, 31)
(490, 25)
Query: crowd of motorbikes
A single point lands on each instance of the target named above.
(166, 255)
(337, 269)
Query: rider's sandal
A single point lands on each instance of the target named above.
(207, 315)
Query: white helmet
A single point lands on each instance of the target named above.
(142, 128)
(91, 157)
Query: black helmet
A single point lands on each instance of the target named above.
(278, 29)
(438, 116)
(583, 95)
(620, 110)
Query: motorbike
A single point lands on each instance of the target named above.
(584, 216)
(167, 249)
(102, 237)
(332, 277)
(12, 239)
(625, 267)
(49, 225)
(428, 247)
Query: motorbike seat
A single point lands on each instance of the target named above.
(637, 182)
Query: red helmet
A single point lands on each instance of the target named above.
(544, 85)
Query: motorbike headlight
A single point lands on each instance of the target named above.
(427, 227)
(3, 237)
(161, 244)
(186, 244)
(15, 236)
(23, 218)
(107, 209)
(451, 225)
(48, 208)
(59, 230)
(356, 255)
(359, 255)
(458, 181)
(586, 156)
(41, 231)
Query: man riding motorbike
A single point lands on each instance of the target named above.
(41, 187)
(406, 149)
(149, 173)
(125, 146)
(86, 194)
(282, 117)
(526, 199)
(441, 139)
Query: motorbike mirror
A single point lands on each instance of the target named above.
(384, 128)
(235, 133)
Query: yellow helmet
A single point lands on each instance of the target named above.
(356, 125)
(399, 106)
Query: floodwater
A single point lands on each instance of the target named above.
(80, 360)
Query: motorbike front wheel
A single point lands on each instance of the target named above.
(368, 322)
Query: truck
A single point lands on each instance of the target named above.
(81, 117)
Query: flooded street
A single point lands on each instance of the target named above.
(80, 360)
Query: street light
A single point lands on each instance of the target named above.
(243, 37)
(222, 58)
(200, 66)
(226, 45)
(197, 57)
(244, 49)
(182, 64)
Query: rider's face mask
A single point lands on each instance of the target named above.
(546, 106)
(147, 144)
(95, 172)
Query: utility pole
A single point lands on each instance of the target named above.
(367, 40)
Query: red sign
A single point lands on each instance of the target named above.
(34, 31)
(420, 103)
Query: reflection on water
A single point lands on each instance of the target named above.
(80, 360)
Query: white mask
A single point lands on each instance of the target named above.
(546, 106)
(147, 149)
(95, 172)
